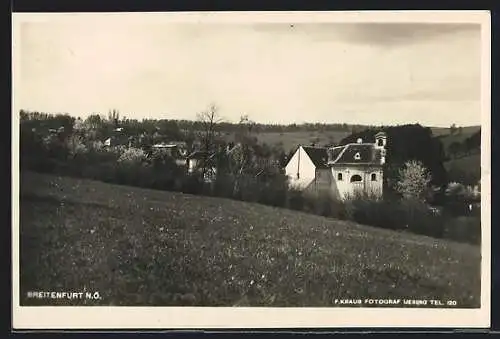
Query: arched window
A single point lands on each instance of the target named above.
(356, 178)
(339, 177)
(374, 177)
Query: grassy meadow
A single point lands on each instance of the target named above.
(145, 247)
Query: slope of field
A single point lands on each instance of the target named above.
(470, 164)
(448, 139)
(290, 140)
(445, 131)
(146, 247)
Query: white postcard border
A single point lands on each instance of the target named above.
(97, 317)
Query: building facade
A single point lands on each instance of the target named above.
(341, 171)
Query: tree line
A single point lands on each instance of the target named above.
(246, 170)
(468, 146)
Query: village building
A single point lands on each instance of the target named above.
(118, 138)
(177, 151)
(194, 163)
(341, 171)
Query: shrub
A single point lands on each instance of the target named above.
(192, 184)
(76, 146)
(458, 198)
(295, 200)
(105, 171)
(408, 214)
(274, 192)
(420, 219)
(328, 206)
(132, 156)
(161, 177)
(414, 180)
(464, 229)
(223, 187)
(379, 213)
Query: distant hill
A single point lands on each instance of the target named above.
(463, 154)
(440, 131)
(290, 140)
(310, 134)
(460, 135)
(466, 170)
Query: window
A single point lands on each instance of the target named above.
(357, 156)
(339, 177)
(356, 178)
(380, 142)
(374, 177)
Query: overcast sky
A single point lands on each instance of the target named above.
(274, 72)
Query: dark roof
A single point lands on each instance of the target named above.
(335, 152)
(319, 156)
(368, 154)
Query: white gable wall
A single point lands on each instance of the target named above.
(302, 164)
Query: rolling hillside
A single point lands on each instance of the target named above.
(468, 167)
(290, 140)
(445, 131)
(146, 247)
(446, 138)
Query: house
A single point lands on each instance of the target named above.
(194, 160)
(307, 169)
(118, 138)
(174, 150)
(341, 170)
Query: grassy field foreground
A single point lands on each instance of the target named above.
(146, 247)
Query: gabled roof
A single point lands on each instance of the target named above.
(355, 154)
(318, 155)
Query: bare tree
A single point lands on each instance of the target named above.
(209, 120)
(242, 157)
(113, 117)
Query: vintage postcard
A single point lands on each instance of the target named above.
(251, 170)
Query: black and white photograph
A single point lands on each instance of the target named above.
(251, 169)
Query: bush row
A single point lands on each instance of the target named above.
(131, 167)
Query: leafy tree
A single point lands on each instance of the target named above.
(414, 180)
(467, 176)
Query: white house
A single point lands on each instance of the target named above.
(175, 150)
(342, 170)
